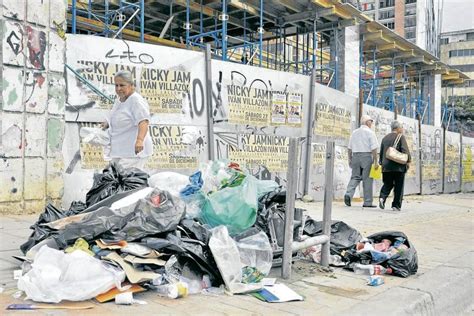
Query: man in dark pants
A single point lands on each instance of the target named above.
(393, 173)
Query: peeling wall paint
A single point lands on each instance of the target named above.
(32, 108)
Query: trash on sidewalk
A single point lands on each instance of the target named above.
(64, 305)
(375, 280)
(277, 293)
(126, 298)
(110, 295)
(57, 276)
(220, 228)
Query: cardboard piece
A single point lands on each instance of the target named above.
(110, 295)
(133, 275)
(62, 305)
(137, 260)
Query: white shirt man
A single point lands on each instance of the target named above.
(362, 152)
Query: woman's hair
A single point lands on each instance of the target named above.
(125, 75)
(395, 125)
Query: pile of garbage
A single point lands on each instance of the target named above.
(169, 233)
(217, 231)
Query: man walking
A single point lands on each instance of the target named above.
(362, 151)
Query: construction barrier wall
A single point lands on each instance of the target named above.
(253, 114)
(452, 162)
(467, 164)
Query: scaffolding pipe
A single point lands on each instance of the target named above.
(126, 23)
(187, 23)
(74, 12)
(260, 39)
(224, 29)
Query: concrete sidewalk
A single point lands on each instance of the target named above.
(441, 228)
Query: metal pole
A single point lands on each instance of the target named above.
(106, 18)
(314, 44)
(328, 195)
(142, 21)
(210, 120)
(260, 33)
(309, 131)
(336, 68)
(297, 51)
(187, 23)
(74, 12)
(125, 25)
(224, 29)
(292, 178)
(374, 73)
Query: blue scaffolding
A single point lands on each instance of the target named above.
(111, 19)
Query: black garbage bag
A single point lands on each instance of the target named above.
(193, 252)
(115, 179)
(157, 213)
(404, 264)
(343, 236)
(50, 214)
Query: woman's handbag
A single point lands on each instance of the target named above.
(394, 155)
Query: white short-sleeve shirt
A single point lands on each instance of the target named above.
(123, 127)
(363, 140)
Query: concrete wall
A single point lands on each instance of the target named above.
(32, 108)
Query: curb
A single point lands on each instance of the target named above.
(445, 290)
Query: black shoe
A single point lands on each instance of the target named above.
(382, 203)
(396, 209)
(347, 200)
(369, 205)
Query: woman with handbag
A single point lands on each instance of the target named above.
(394, 159)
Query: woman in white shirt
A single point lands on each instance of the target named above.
(130, 142)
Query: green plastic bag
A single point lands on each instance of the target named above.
(236, 207)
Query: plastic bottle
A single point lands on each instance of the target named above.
(378, 270)
(370, 269)
(366, 269)
(173, 290)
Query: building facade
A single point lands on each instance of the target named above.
(457, 50)
(416, 20)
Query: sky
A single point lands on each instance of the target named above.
(457, 15)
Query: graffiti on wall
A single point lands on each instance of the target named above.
(342, 171)
(467, 164)
(431, 158)
(452, 152)
(173, 87)
(36, 92)
(410, 130)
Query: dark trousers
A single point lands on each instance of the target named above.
(393, 180)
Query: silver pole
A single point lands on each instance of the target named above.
(292, 183)
(210, 118)
(328, 195)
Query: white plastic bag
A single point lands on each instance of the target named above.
(76, 276)
(226, 254)
(169, 181)
(95, 136)
(255, 251)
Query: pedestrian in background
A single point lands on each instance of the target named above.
(130, 142)
(362, 151)
(393, 173)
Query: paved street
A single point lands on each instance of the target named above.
(441, 228)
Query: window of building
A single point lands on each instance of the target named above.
(390, 25)
(410, 11)
(470, 36)
(410, 1)
(386, 14)
(386, 3)
(469, 83)
(465, 68)
(461, 52)
(410, 21)
(445, 41)
(368, 6)
(410, 34)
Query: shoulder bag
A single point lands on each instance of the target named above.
(394, 155)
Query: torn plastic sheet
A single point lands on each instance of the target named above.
(159, 212)
(56, 276)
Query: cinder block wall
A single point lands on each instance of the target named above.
(32, 107)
